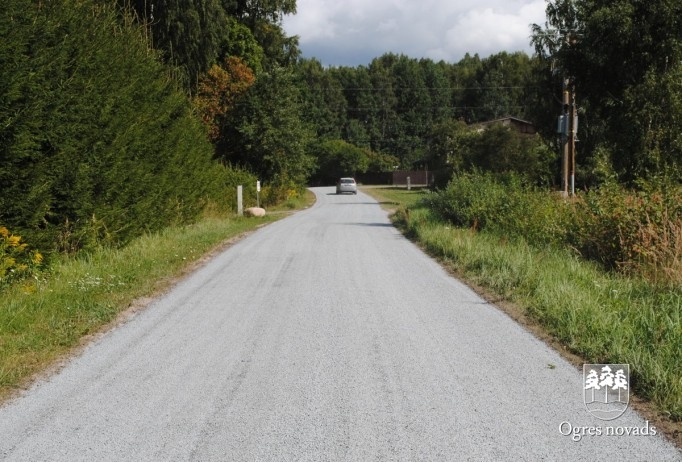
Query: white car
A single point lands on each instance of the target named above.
(346, 185)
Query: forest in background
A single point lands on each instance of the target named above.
(120, 117)
(622, 60)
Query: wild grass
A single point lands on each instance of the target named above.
(390, 197)
(635, 231)
(43, 317)
(600, 315)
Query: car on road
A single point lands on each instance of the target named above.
(346, 185)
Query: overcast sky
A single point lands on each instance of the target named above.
(353, 32)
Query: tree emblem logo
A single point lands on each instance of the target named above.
(606, 389)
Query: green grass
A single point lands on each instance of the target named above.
(600, 316)
(44, 318)
(391, 197)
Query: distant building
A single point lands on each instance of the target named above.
(520, 125)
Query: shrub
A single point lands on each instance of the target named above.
(636, 232)
(470, 200)
(503, 205)
(99, 143)
(633, 231)
(16, 261)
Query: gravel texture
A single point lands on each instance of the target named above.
(325, 336)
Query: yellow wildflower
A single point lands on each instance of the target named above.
(37, 258)
(29, 287)
(14, 240)
(4, 232)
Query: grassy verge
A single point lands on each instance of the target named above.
(392, 197)
(44, 318)
(599, 316)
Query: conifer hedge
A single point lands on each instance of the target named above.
(97, 143)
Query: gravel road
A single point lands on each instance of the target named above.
(325, 336)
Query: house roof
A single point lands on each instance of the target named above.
(521, 125)
(503, 119)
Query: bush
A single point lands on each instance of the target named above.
(503, 205)
(16, 261)
(636, 232)
(99, 145)
(633, 231)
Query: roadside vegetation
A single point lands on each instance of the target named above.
(515, 243)
(121, 125)
(122, 128)
(46, 315)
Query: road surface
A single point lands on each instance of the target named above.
(325, 336)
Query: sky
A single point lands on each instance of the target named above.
(353, 32)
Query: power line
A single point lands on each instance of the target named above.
(435, 88)
(430, 89)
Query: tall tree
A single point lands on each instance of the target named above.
(619, 55)
(240, 42)
(96, 142)
(264, 19)
(465, 87)
(190, 33)
(414, 106)
(324, 104)
(251, 12)
(436, 80)
(219, 91)
(267, 133)
(381, 104)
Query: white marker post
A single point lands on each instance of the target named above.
(258, 192)
(240, 201)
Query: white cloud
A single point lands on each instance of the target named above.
(355, 31)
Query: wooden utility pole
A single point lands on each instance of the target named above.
(568, 127)
(572, 131)
(565, 136)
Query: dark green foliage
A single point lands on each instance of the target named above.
(447, 141)
(500, 149)
(456, 147)
(189, 33)
(239, 41)
(259, 134)
(251, 12)
(504, 205)
(393, 105)
(195, 34)
(323, 100)
(268, 134)
(96, 143)
(337, 158)
(635, 232)
(263, 18)
(624, 58)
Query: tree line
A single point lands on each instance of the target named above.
(119, 117)
(104, 125)
(623, 60)
(412, 113)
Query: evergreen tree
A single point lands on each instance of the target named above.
(190, 33)
(97, 143)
